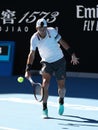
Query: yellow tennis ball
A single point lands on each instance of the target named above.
(20, 79)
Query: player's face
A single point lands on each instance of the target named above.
(42, 31)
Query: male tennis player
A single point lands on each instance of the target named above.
(48, 42)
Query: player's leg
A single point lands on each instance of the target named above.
(46, 76)
(60, 74)
(61, 93)
(45, 83)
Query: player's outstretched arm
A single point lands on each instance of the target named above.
(74, 59)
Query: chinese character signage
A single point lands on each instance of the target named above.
(11, 22)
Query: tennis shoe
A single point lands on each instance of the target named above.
(61, 109)
(45, 114)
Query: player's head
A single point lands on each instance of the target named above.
(41, 27)
(41, 23)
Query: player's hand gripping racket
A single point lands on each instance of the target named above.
(38, 90)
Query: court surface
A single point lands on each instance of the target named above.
(20, 111)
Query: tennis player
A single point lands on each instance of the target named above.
(48, 41)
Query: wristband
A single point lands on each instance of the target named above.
(28, 67)
(70, 51)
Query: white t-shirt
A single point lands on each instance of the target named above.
(48, 47)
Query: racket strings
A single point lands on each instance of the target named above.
(38, 92)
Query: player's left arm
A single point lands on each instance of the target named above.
(65, 45)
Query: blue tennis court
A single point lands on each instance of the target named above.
(20, 111)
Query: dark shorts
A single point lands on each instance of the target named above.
(57, 68)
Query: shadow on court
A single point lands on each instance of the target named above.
(74, 120)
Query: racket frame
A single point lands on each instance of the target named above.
(33, 83)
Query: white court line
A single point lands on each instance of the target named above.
(7, 128)
(50, 103)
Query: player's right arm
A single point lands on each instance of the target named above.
(29, 63)
(31, 55)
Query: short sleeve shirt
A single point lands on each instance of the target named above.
(48, 47)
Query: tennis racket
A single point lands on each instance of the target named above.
(38, 90)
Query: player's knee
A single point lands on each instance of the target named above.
(62, 92)
(45, 83)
